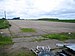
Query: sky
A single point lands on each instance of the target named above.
(34, 9)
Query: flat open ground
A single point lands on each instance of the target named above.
(41, 27)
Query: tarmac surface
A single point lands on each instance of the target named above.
(41, 27)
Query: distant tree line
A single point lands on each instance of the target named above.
(48, 19)
(15, 18)
(58, 20)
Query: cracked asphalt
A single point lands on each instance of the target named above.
(41, 27)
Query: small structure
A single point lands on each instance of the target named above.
(16, 18)
(42, 51)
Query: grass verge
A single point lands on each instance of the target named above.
(5, 40)
(39, 39)
(60, 36)
(4, 24)
(28, 30)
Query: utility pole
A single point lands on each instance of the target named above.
(8, 27)
(5, 14)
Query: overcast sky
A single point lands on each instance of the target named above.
(38, 8)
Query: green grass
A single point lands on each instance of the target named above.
(28, 30)
(60, 36)
(4, 24)
(22, 52)
(5, 40)
(70, 21)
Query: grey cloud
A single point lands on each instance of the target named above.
(67, 9)
(2, 0)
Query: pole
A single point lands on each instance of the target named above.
(5, 14)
